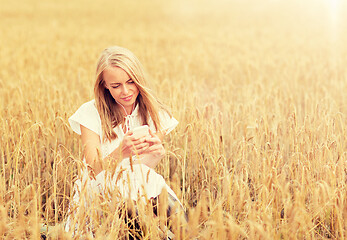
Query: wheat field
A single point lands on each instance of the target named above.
(259, 89)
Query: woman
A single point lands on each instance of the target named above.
(122, 103)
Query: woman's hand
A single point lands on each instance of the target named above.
(156, 148)
(132, 145)
(154, 153)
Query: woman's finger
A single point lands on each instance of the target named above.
(128, 133)
(151, 133)
(153, 141)
(155, 149)
(140, 148)
(130, 141)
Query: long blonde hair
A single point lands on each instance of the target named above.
(110, 112)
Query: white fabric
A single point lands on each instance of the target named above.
(144, 183)
(88, 116)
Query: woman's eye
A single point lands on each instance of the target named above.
(130, 81)
(114, 86)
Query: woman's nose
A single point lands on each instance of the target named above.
(125, 90)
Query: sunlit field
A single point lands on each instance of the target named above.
(259, 89)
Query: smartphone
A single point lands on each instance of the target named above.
(141, 131)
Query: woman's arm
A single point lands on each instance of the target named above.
(91, 145)
(92, 149)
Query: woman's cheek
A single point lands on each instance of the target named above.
(114, 94)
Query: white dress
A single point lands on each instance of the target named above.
(144, 183)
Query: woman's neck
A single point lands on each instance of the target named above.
(127, 110)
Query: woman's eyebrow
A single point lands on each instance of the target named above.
(119, 82)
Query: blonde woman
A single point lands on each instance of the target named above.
(107, 126)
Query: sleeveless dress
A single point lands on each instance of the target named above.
(136, 182)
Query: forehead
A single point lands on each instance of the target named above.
(115, 75)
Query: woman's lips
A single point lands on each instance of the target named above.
(127, 98)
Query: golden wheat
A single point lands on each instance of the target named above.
(259, 90)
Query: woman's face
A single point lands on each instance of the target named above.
(122, 88)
